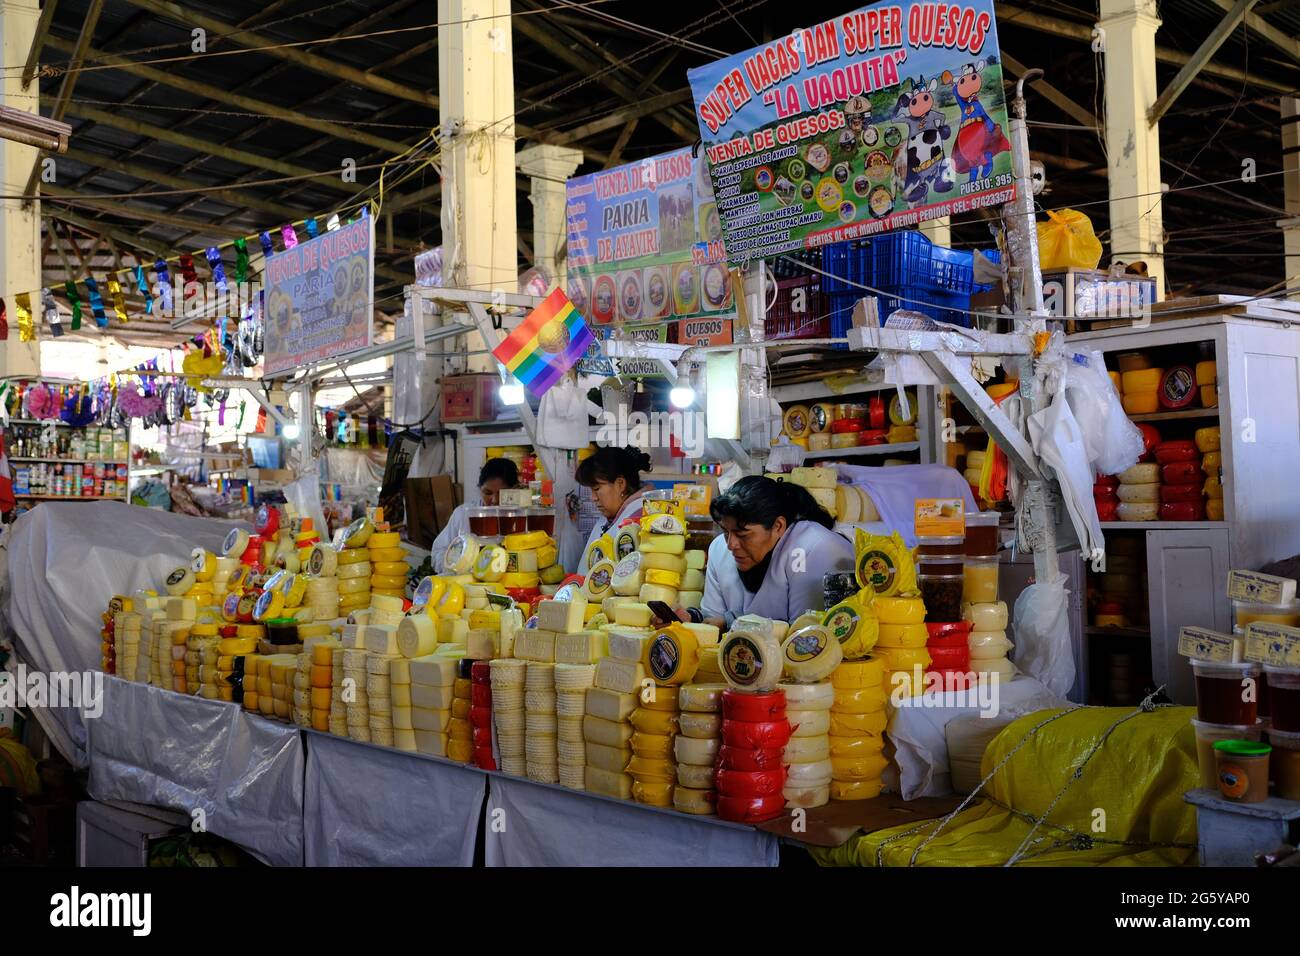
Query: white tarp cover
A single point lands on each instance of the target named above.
(184, 753)
(533, 824)
(66, 561)
(371, 806)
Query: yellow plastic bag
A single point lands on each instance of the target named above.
(1066, 241)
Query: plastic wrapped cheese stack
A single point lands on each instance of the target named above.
(126, 642)
(653, 764)
(807, 753)
(381, 651)
(460, 732)
(750, 774)
(607, 729)
(320, 570)
(199, 640)
(174, 662)
(480, 714)
(399, 688)
(856, 731)
(355, 682)
(282, 668)
(252, 697)
(820, 483)
(338, 709)
(388, 567)
(433, 689)
(902, 659)
(354, 566)
(987, 639)
(320, 677)
(508, 677)
(1182, 490)
(662, 567)
(540, 723)
(526, 553)
(699, 725)
(301, 713)
(232, 651)
(1139, 492)
(1212, 468)
(571, 684)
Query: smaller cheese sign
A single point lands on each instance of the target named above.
(940, 517)
(1276, 644)
(1263, 588)
(1202, 644)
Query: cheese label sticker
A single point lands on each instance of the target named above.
(1262, 588)
(842, 622)
(263, 604)
(876, 571)
(1202, 644)
(177, 576)
(199, 560)
(665, 524)
(316, 561)
(600, 578)
(628, 565)
(246, 606)
(567, 593)
(625, 545)
(531, 623)
(806, 644)
(742, 661)
(275, 580)
(238, 578)
(268, 519)
(1275, 644)
(489, 558)
(943, 517)
(664, 658)
(232, 539)
(423, 591)
(230, 607)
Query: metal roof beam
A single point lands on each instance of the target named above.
(1288, 45)
(38, 41)
(1053, 95)
(1204, 53)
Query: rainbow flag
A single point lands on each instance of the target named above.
(546, 344)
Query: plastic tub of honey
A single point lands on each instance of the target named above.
(941, 594)
(514, 520)
(1247, 612)
(1242, 770)
(982, 533)
(939, 545)
(1221, 696)
(1283, 697)
(939, 563)
(1207, 735)
(980, 580)
(542, 519)
(1284, 764)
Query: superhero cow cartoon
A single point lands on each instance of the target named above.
(922, 163)
(979, 139)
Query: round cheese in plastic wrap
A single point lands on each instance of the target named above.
(818, 696)
(1001, 667)
(903, 658)
(750, 810)
(811, 773)
(853, 675)
(702, 698)
(699, 725)
(810, 654)
(747, 758)
(236, 543)
(461, 554)
(848, 725)
(859, 745)
(654, 746)
(806, 797)
(755, 734)
(741, 706)
(179, 581)
(491, 563)
(358, 533)
(856, 789)
(807, 749)
(694, 801)
(853, 627)
(657, 697)
(860, 701)
(1138, 510)
(986, 617)
(869, 767)
(697, 751)
(203, 564)
(902, 635)
(755, 783)
(750, 661)
(650, 770)
(899, 610)
(808, 723)
(672, 656)
(698, 777)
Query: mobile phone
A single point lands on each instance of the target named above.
(662, 611)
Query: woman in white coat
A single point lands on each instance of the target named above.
(776, 545)
(614, 477)
(496, 474)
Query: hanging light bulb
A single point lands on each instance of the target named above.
(682, 394)
(291, 432)
(510, 392)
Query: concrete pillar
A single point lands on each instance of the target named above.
(1291, 190)
(476, 87)
(1132, 143)
(549, 166)
(938, 231)
(20, 228)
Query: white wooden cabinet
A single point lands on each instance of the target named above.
(1186, 573)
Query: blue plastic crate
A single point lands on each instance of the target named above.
(993, 255)
(950, 307)
(910, 259)
(838, 261)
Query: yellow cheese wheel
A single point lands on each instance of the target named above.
(854, 675)
(525, 541)
(1142, 473)
(902, 635)
(868, 767)
(1213, 487)
(1214, 509)
(390, 567)
(352, 556)
(797, 421)
(1208, 439)
(850, 725)
(856, 789)
(860, 701)
(903, 658)
(1141, 380)
(1206, 373)
(379, 540)
(1141, 403)
(384, 582)
(899, 610)
(1210, 396)
(1212, 462)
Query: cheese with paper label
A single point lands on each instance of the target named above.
(461, 554)
(491, 564)
(600, 581)
(601, 550)
(673, 655)
(629, 575)
(626, 540)
(522, 562)
(664, 562)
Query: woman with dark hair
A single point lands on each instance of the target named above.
(614, 477)
(775, 546)
(496, 474)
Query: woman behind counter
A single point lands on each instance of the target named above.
(775, 546)
(496, 474)
(614, 477)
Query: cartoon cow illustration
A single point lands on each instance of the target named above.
(924, 160)
(979, 139)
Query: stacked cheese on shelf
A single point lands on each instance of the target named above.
(541, 747)
(399, 688)
(388, 567)
(252, 696)
(1182, 492)
(321, 678)
(607, 729)
(662, 546)
(1212, 467)
(821, 483)
(1139, 384)
(508, 677)
(460, 732)
(699, 724)
(572, 681)
(282, 668)
(857, 726)
(127, 629)
(809, 655)
(201, 638)
(527, 553)
(1139, 492)
(653, 765)
(381, 650)
(321, 569)
(480, 713)
(354, 566)
(338, 709)
(433, 688)
(232, 650)
(174, 661)
(898, 617)
(987, 640)
(355, 681)
(301, 714)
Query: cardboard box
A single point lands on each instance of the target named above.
(429, 504)
(470, 398)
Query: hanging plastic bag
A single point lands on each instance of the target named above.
(1066, 241)
(1114, 443)
(1042, 630)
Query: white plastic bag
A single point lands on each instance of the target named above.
(1042, 629)
(1114, 443)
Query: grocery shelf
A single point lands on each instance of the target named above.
(71, 497)
(819, 391)
(1093, 629)
(1162, 525)
(863, 450)
(1173, 416)
(73, 461)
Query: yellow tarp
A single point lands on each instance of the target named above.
(1131, 790)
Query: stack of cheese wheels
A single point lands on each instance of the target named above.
(508, 676)
(321, 678)
(159, 648)
(1206, 380)
(1139, 384)
(750, 774)
(251, 696)
(540, 723)
(433, 688)
(691, 594)
(526, 553)
(857, 727)
(195, 645)
(301, 713)
(304, 539)
(173, 662)
(808, 752)
(322, 582)
(1182, 490)
(388, 567)
(662, 546)
(480, 714)
(987, 640)
(399, 688)
(1139, 492)
(233, 650)
(203, 565)
(1212, 467)
(974, 467)
(607, 729)
(381, 651)
(900, 616)
(179, 653)
(126, 642)
(338, 712)
(653, 764)
(282, 668)
(699, 726)
(460, 732)
(355, 679)
(354, 566)
(820, 483)
(572, 681)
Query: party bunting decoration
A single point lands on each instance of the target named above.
(311, 228)
(187, 271)
(268, 250)
(4, 322)
(51, 310)
(332, 223)
(546, 344)
(164, 284)
(241, 260)
(290, 237)
(143, 287)
(96, 303)
(26, 330)
(218, 270)
(118, 299)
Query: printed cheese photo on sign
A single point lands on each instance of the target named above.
(878, 119)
